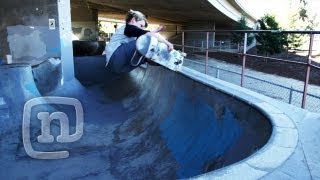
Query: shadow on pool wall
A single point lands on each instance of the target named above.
(183, 127)
(203, 128)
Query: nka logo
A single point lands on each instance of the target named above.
(46, 118)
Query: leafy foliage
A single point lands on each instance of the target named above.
(302, 10)
(270, 43)
(100, 31)
(301, 20)
(295, 40)
(239, 37)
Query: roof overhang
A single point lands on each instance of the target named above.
(169, 12)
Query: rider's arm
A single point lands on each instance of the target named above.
(134, 31)
(159, 29)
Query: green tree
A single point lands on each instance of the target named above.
(303, 10)
(270, 42)
(295, 40)
(309, 21)
(301, 20)
(239, 37)
(100, 31)
(241, 25)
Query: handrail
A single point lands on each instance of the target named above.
(252, 55)
(314, 66)
(308, 64)
(255, 78)
(250, 31)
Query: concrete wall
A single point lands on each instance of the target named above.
(25, 33)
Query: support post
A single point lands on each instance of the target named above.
(182, 41)
(207, 53)
(218, 73)
(65, 30)
(244, 58)
(306, 82)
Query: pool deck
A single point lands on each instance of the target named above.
(304, 163)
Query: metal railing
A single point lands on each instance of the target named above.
(244, 54)
(285, 92)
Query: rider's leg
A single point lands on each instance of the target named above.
(125, 58)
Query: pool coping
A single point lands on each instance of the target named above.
(280, 146)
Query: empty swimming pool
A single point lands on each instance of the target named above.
(149, 124)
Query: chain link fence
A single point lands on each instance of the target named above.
(280, 88)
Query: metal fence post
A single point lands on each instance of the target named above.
(244, 58)
(218, 73)
(207, 53)
(290, 95)
(213, 38)
(194, 44)
(306, 82)
(201, 46)
(183, 41)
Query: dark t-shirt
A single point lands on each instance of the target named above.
(134, 31)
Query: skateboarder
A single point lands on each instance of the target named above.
(121, 53)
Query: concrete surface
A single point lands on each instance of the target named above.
(135, 129)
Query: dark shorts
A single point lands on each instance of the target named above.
(121, 60)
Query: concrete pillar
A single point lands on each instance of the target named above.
(65, 30)
(214, 34)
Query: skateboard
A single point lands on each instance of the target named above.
(156, 51)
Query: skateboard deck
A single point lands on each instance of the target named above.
(158, 52)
